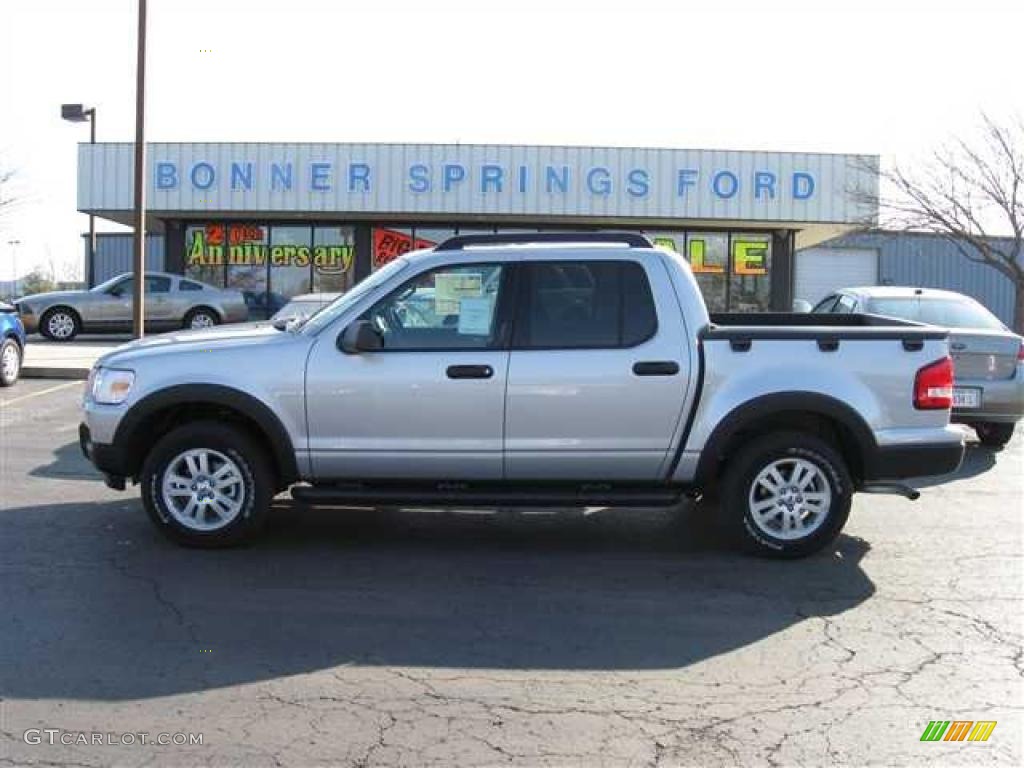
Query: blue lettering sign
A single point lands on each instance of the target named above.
(419, 178)
(359, 177)
(764, 181)
(320, 177)
(599, 181)
(554, 178)
(727, 190)
(491, 175)
(241, 175)
(203, 176)
(453, 174)
(280, 176)
(638, 184)
(166, 176)
(803, 185)
(687, 178)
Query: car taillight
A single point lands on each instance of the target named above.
(1020, 351)
(933, 386)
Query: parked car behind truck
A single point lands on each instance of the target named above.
(557, 369)
(988, 358)
(171, 302)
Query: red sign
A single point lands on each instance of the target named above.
(388, 245)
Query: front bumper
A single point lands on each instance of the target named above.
(1002, 401)
(106, 458)
(29, 322)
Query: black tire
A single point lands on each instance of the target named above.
(255, 489)
(9, 350)
(201, 313)
(72, 322)
(993, 435)
(737, 489)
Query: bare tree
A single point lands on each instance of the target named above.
(9, 196)
(970, 192)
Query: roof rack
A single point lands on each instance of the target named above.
(632, 239)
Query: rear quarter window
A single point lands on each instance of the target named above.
(188, 285)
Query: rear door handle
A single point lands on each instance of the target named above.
(958, 345)
(470, 371)
(656, 368)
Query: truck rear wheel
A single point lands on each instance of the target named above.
(786, 495)
(207, 485)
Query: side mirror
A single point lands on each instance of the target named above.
(802, 306)
(361, 336)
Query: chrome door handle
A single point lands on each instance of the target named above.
(958, 345)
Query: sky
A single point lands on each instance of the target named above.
(890, 77)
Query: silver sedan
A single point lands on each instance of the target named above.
(171, 302)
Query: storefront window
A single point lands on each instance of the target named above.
(204, 261)
(708, 257)
(247, 265)
(334, 259)
(291, 257)
(388, 243)
(749, 279)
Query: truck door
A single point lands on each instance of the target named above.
(598, 370)
(430, 403)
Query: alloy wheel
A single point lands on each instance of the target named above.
(203, 489)
(201, 320)
(10, 362)
(61, 325)
(790, 499)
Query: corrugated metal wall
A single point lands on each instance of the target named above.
(929, 261)
(114, 255)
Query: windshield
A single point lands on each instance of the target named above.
(324, 317)
(107, 284)
(947, 313)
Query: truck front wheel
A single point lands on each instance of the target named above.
(207, 485)
(786, 495)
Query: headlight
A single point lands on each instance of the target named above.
(110, 386)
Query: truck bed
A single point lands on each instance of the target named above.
(797, 325)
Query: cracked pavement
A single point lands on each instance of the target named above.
(387, 638)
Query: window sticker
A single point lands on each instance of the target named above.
(451, 287)
(475, 316)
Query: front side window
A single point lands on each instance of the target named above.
(158, 284)
(826, 305)
(583, 304)
(446, 308)
(845, 305)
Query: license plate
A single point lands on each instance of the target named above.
(966, 397)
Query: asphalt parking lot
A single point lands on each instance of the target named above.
(350, 637)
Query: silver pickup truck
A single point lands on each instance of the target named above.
(536, 370)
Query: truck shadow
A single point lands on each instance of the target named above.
(100, 607)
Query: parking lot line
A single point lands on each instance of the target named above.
(48, 390)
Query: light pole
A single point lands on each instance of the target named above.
(138, 312)
(76, 113)
(14, 263)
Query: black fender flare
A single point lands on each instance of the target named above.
(128, 440)
(813, 403)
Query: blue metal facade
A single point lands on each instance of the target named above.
(114, 254)
(929, 261)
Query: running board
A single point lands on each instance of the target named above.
(898, 489)
(456, 494)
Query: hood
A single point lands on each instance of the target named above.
(51, 296)
(218, 337)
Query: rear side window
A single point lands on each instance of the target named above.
(583, 304)
(188, 285)
(845, 305)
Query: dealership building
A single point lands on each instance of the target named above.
(275, 220)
